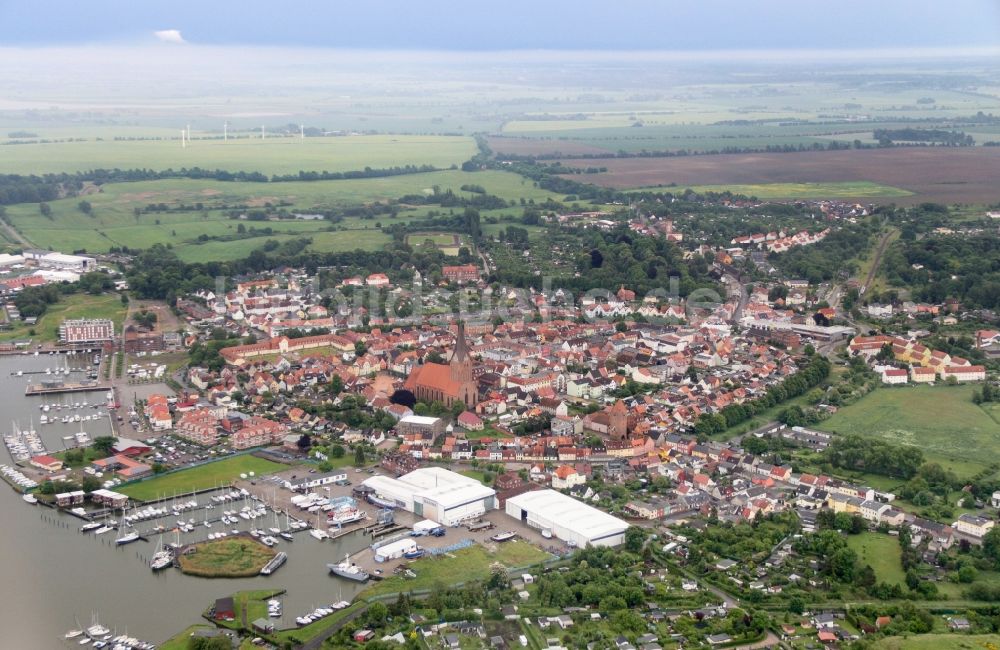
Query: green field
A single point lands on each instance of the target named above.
(278, 155)
(201, 477)
(858, 190)
(941, 420)
(939, 642)
(231, 557)
(180, 641)
(471, 563)
(107, 305)
(882, 553)
(113, 221)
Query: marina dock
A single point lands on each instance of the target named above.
(54, 388)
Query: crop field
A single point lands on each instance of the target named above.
(880, 551)
(945, 175)
(73, 306)
(861, 189)
(114, 222)
(200, 477)
(278, 155)
(941, 420)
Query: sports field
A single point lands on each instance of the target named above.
(276, 155)
(941, 420)
(113, 220)
(201, 477)
(880, 551)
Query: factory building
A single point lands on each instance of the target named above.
(570, 520)
(435, 493)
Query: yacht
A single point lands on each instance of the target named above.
(30, 498)
(348, 570)
(89, 526)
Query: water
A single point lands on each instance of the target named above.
(53, 573)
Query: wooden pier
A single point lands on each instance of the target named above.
(65, 387)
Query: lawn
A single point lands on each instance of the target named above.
(230, 557)
(180, 641)
(201, 477)
(941, 420)
(79, 305)
(882, 553)
(938, 642)
(271, 156)
(467, 564)
(857, 190)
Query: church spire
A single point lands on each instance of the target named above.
(461, 352)
(461, 358)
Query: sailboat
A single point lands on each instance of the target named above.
(123, 537)
(162, 558)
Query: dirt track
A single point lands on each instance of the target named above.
(944, 175)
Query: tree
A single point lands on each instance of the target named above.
(634, 539)
(991, 544)
(403, 397)
(337, 451)
(304, 442)
(377, 613)
(85, 207)
(45, 209)
(359, 456)
(104, 444)
(336, 385)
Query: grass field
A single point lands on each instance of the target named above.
(180, 641)
(73, 306)
(113, 221)
(941, 420)
(200, 477)
(938, 642)
(468, 564)
(231, 557)
(882, 553)
(857, 190)
(277, 155)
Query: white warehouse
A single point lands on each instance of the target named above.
(570, 520)
(436, 493)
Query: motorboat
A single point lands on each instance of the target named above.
(504, 537)
(30, 498)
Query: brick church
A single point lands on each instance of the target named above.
(446, 382)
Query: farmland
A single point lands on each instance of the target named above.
(945, 175)
(279, 155)
(113, 220)
(199, 478)
(861, 189)
(941, 420)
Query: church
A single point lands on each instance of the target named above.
(449, 383)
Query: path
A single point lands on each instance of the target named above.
(882, 245)
(17, 236)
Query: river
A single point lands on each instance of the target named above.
(54, 575)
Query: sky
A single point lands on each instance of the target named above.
(491, 25)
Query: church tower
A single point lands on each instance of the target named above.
(618, 421)
(461, 369)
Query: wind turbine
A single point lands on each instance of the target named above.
(225, 131)
(302, 131)
(183, 141)
(261, 131)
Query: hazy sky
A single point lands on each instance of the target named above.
(509, 24)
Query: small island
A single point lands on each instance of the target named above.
(241, 556)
